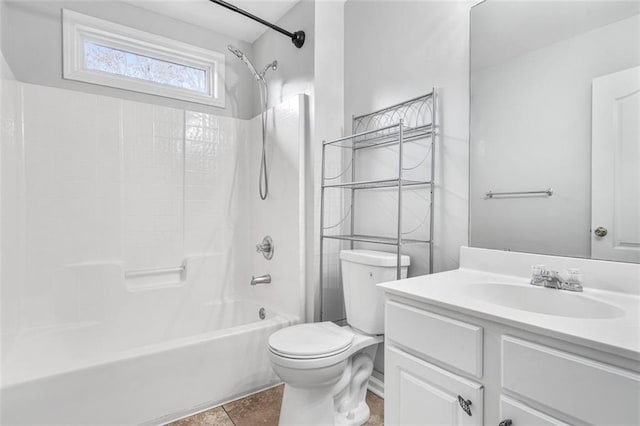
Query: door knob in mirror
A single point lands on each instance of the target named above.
(600, 231)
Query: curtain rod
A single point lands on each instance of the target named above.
(297, 38)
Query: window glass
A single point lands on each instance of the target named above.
(128, 64)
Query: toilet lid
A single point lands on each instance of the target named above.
(311, 340)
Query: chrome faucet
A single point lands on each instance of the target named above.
(261, 279)
(551, 279)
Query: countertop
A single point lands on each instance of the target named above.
(619, 335)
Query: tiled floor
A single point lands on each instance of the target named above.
(263, 408)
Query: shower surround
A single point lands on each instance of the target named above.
(99, 195)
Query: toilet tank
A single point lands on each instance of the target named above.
(364, 301)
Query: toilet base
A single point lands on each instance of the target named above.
(356, 417)
(316, 407)
(341, 403)
(311, 407)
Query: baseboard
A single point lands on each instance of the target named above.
(376, 384)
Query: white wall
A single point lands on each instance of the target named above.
(396, 50)
(329, 112)
(32, 45)
(10, 152)
(531, 131)
(5, 70)
(295, 66)
(5, 73)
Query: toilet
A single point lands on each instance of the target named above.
(325, 367)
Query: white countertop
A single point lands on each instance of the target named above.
(619, 335)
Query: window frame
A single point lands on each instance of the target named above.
(79, 28)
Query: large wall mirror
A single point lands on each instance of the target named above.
(555, 128)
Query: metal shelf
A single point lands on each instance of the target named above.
(412, 121)
(393, 109)
(384, 136)
(375, 239)
(373, 184)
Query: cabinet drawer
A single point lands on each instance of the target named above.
(420, 393)
(523, 415)
(450, 341)
(588, 390)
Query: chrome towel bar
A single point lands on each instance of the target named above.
(548, 192)
(143, 272)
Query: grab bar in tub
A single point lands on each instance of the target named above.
(143, 272)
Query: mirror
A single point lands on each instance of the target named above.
(555, 132)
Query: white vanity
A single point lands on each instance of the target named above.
(480, 345)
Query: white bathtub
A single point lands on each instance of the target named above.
(93, 374)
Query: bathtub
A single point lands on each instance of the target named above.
(94, 374)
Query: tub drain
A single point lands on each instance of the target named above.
(262, 314)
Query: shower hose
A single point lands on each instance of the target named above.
(263, 181)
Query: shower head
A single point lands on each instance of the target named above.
(244, 59)
(257, 75)
(235, 51)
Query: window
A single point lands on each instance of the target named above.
(101, 52)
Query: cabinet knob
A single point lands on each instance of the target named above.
(465, 404)
(505, 422)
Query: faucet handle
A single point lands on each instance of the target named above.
(574, 279)
(537, 274)
(574, 274)
(265, 247)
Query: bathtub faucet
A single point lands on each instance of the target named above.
(262, 279)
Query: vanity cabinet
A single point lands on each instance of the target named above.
(446, 367)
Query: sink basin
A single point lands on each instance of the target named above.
(542, 300)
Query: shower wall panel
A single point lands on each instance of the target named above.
(72, 201)
(152, 186)
(213, 201)
(97, 187)
(282, 214)
(11, 151)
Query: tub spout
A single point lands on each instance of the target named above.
(261, 279)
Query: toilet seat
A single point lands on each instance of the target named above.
(311, 341)
(285, 352)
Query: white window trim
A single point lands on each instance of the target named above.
(79, 28)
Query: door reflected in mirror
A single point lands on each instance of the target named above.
(555, 128)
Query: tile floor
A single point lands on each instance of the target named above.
(263, 408)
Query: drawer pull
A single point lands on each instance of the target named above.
(465, 405)
(506, 422)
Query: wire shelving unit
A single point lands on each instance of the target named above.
(411, 121)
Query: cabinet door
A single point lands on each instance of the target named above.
(523, 415)
(587, 390)
(419, 393)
